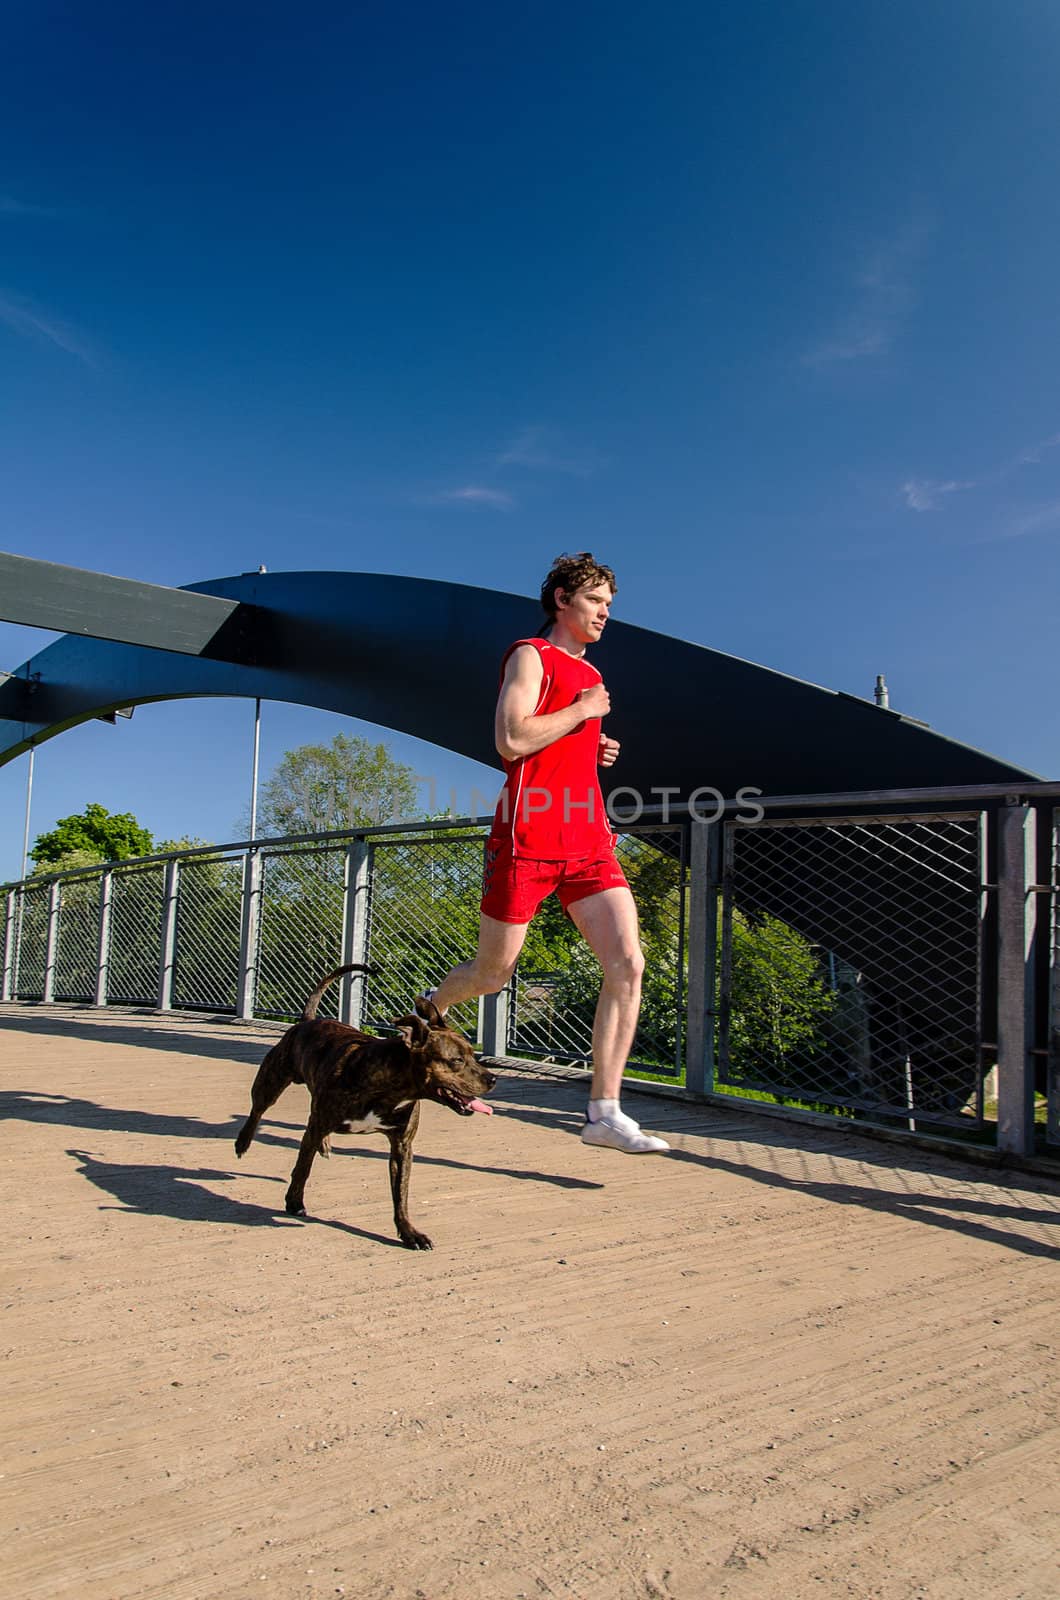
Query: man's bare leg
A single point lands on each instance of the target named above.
(499, 944)
(608, 923)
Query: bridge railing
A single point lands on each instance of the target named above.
(884, 957)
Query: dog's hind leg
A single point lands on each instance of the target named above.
(312, 1138)
(273, 1077)
(400, 1172)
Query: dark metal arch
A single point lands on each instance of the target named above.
(421, 656)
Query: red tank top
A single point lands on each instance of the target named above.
(551, 806)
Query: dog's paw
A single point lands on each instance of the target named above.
(416, 1241)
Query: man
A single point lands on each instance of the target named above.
(551, 833)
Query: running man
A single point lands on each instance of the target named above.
(551, 833)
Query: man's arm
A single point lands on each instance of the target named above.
(517, 732)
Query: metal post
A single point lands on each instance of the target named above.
(723, 1019)
(1015, 978)
(1052, 1126)
(250, 919)
(704, 855)
(254, 772)
(356, 891)
(106, 899)
(7, 992)
(51, 945)
(29, 802)
(493, 1022)
(167, 954)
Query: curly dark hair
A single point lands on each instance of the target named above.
(571, 573)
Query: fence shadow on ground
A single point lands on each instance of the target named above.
(910, 1204)
(919, 1206)
(32, 1105)
(179, 1037)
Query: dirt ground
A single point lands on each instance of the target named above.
(778, 1362)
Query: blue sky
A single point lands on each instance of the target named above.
(759, 302)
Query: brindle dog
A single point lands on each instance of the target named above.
(362, 1084)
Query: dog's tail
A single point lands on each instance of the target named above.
(314, 999)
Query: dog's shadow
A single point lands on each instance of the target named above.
(177, 1192)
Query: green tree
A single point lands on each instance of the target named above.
(349, 783)
(92, 836)
(780, 1000)
(69, 862)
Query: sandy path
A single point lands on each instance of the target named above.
(776, 1363)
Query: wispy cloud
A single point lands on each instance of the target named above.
(533, 449)
(882, 295)
(475, 494)
(922, 494)
(541, 449)
(1034, 453)
(927, 494)
(32, 322)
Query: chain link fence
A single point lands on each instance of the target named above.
(850, 963)
(843, 963)
(77, 941)
(423, 919)
(31, 941)
(135, 944)
(207, 932)
(299, 929)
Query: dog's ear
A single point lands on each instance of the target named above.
(427, 1008)
(413, 1030)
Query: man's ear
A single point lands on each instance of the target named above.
(427, 1008)
(413, 1030)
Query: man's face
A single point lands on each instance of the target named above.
(585, 612)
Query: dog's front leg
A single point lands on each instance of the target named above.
(294, 1201)
(400, 1172)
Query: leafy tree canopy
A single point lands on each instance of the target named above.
(187, 841)
(91, 836)
(348, 783)
(69, 862)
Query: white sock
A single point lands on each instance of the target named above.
(603, 1108)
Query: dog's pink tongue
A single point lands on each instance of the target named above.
(480, 1105)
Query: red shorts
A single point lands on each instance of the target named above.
(512, 890)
